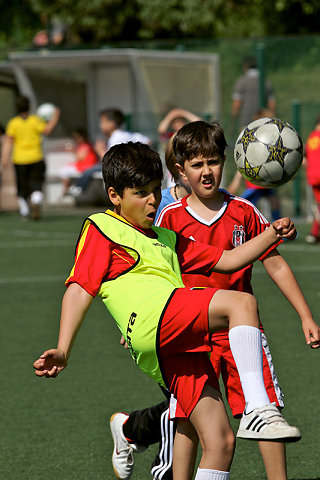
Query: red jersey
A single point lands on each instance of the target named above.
(313, 158)
(237, 221)
(88, 157)
(98, 259)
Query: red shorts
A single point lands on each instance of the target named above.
(184, 346)
(224, 364)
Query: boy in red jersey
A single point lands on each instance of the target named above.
(312, 163)
(212, 216)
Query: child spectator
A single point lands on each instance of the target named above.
(111, 120)
(312, 163)
(85, 159)
(23, 139)
(173, 121)
(180, 187)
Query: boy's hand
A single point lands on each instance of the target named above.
(285, 228)
(123, 342)
(311, 332)
(50, 363)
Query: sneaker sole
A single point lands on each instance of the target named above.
(288, 438)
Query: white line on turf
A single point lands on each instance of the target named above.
(39, 234)
(40, 279)
(300, 248)
(37, 244)
(61, 278)
(302, 269)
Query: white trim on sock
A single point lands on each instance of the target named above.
(246, 347)
(209, 474)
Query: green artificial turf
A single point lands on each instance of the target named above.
(58, 428)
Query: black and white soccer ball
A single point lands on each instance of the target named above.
(268, 152)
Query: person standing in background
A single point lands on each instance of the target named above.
(245, 96)
(23, 139)
(312, 164)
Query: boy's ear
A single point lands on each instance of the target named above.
(181, 171)
(114, 197)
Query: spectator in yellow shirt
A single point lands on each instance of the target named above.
(23, 145)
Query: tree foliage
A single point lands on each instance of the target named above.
(98, 21)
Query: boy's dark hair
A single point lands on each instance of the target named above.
(22, 104)
(130, 165)
(113, 114)
(199, 139)
(171, 161)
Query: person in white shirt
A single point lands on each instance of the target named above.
(111, 120)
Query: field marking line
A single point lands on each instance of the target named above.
(302, 269)
(56, 278)
(40, 279)
(37, 244)
(299, 248)
(39, 234)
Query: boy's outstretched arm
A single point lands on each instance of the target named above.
(75, 304)
(282, 275)
(247, 253)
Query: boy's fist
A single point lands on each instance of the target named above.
(285, 228)
(50, 363)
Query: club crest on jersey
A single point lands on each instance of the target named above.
(238, 235)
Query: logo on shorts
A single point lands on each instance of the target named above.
(131, 323)
(238, 235)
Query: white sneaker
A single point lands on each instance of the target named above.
(267, 423)
(311, 239)
(122, 456)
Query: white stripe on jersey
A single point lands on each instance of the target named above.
(262, 219)
(166, 209)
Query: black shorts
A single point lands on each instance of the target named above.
(30, 178)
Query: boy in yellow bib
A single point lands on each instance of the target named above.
(136, 269)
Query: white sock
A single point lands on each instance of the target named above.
(36, 197)
(208, 474)
(23, 207)
(246, 348)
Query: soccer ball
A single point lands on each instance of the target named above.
(268, 152)
(46, 111)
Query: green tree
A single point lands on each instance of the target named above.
(100, 21)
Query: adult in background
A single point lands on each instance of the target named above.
(245, 96)
(23, 144)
